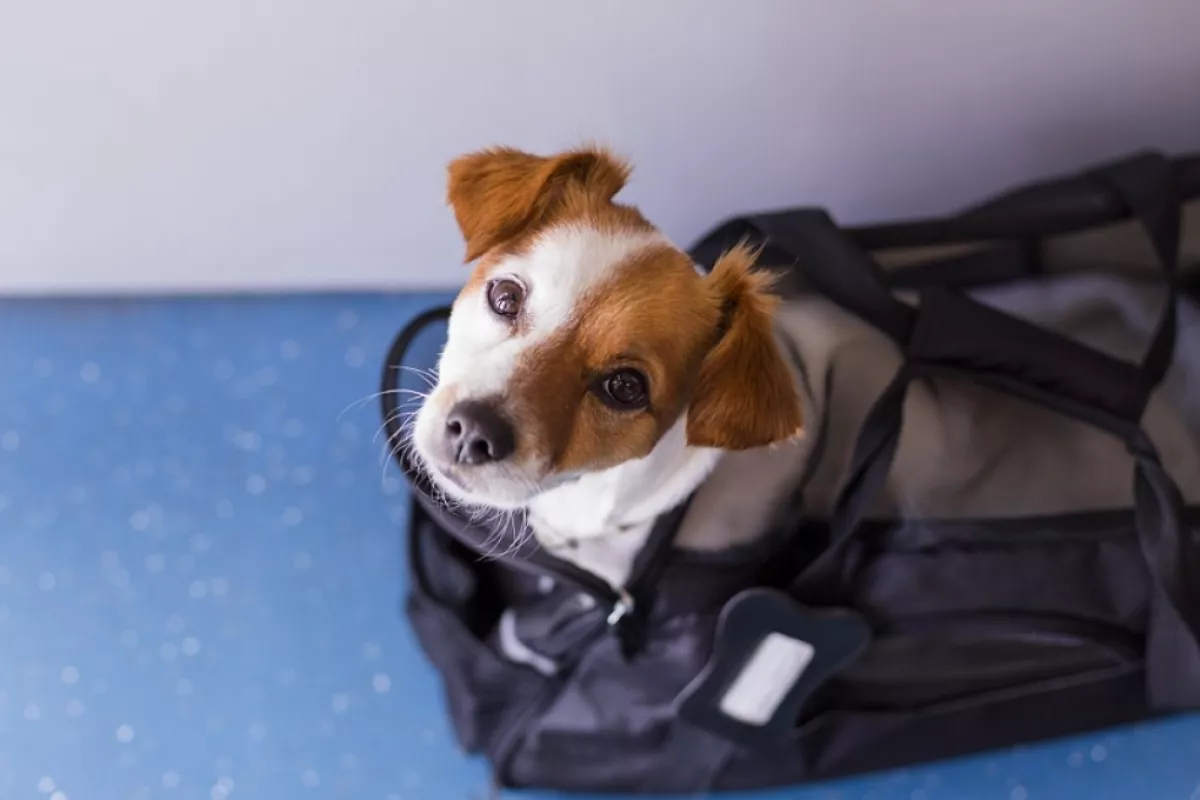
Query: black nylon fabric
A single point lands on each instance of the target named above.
(986, 633)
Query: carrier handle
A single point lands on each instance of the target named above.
(1146, 187)
(951, 329)
(1052, 207)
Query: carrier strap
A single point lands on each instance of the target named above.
(951, 333)
(836, 267)
(1147, 188)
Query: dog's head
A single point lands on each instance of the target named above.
(583, 335)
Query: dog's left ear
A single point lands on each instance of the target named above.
(744, 396)
(500, 193)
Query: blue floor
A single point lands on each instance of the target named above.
(200, 576)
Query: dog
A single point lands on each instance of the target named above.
(592, 376)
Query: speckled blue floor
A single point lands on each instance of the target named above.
(200, 576)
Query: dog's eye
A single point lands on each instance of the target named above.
(505, 297)
(625, 389)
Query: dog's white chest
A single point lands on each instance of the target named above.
(610, 556)
(601, 521)
(577, 523)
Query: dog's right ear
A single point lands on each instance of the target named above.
(498, 194)
(745, 396)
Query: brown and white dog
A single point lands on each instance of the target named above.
(592, 376)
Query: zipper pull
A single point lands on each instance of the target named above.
(622, 608)
(628, 625)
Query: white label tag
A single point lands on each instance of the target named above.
(773, 669)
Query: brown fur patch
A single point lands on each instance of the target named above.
(654, 314)
(744, 396)
(501, 197)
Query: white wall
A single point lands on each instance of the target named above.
(181, 145)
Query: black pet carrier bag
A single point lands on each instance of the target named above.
(1031, 570)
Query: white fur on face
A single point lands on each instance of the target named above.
(482, 350)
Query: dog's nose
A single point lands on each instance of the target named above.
(476, 433)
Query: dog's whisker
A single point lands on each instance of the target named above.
(390, 444)
(404, 417)
(399, 444)
(493, 519)
(360, 402)
(430, 376)
(513, 534)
